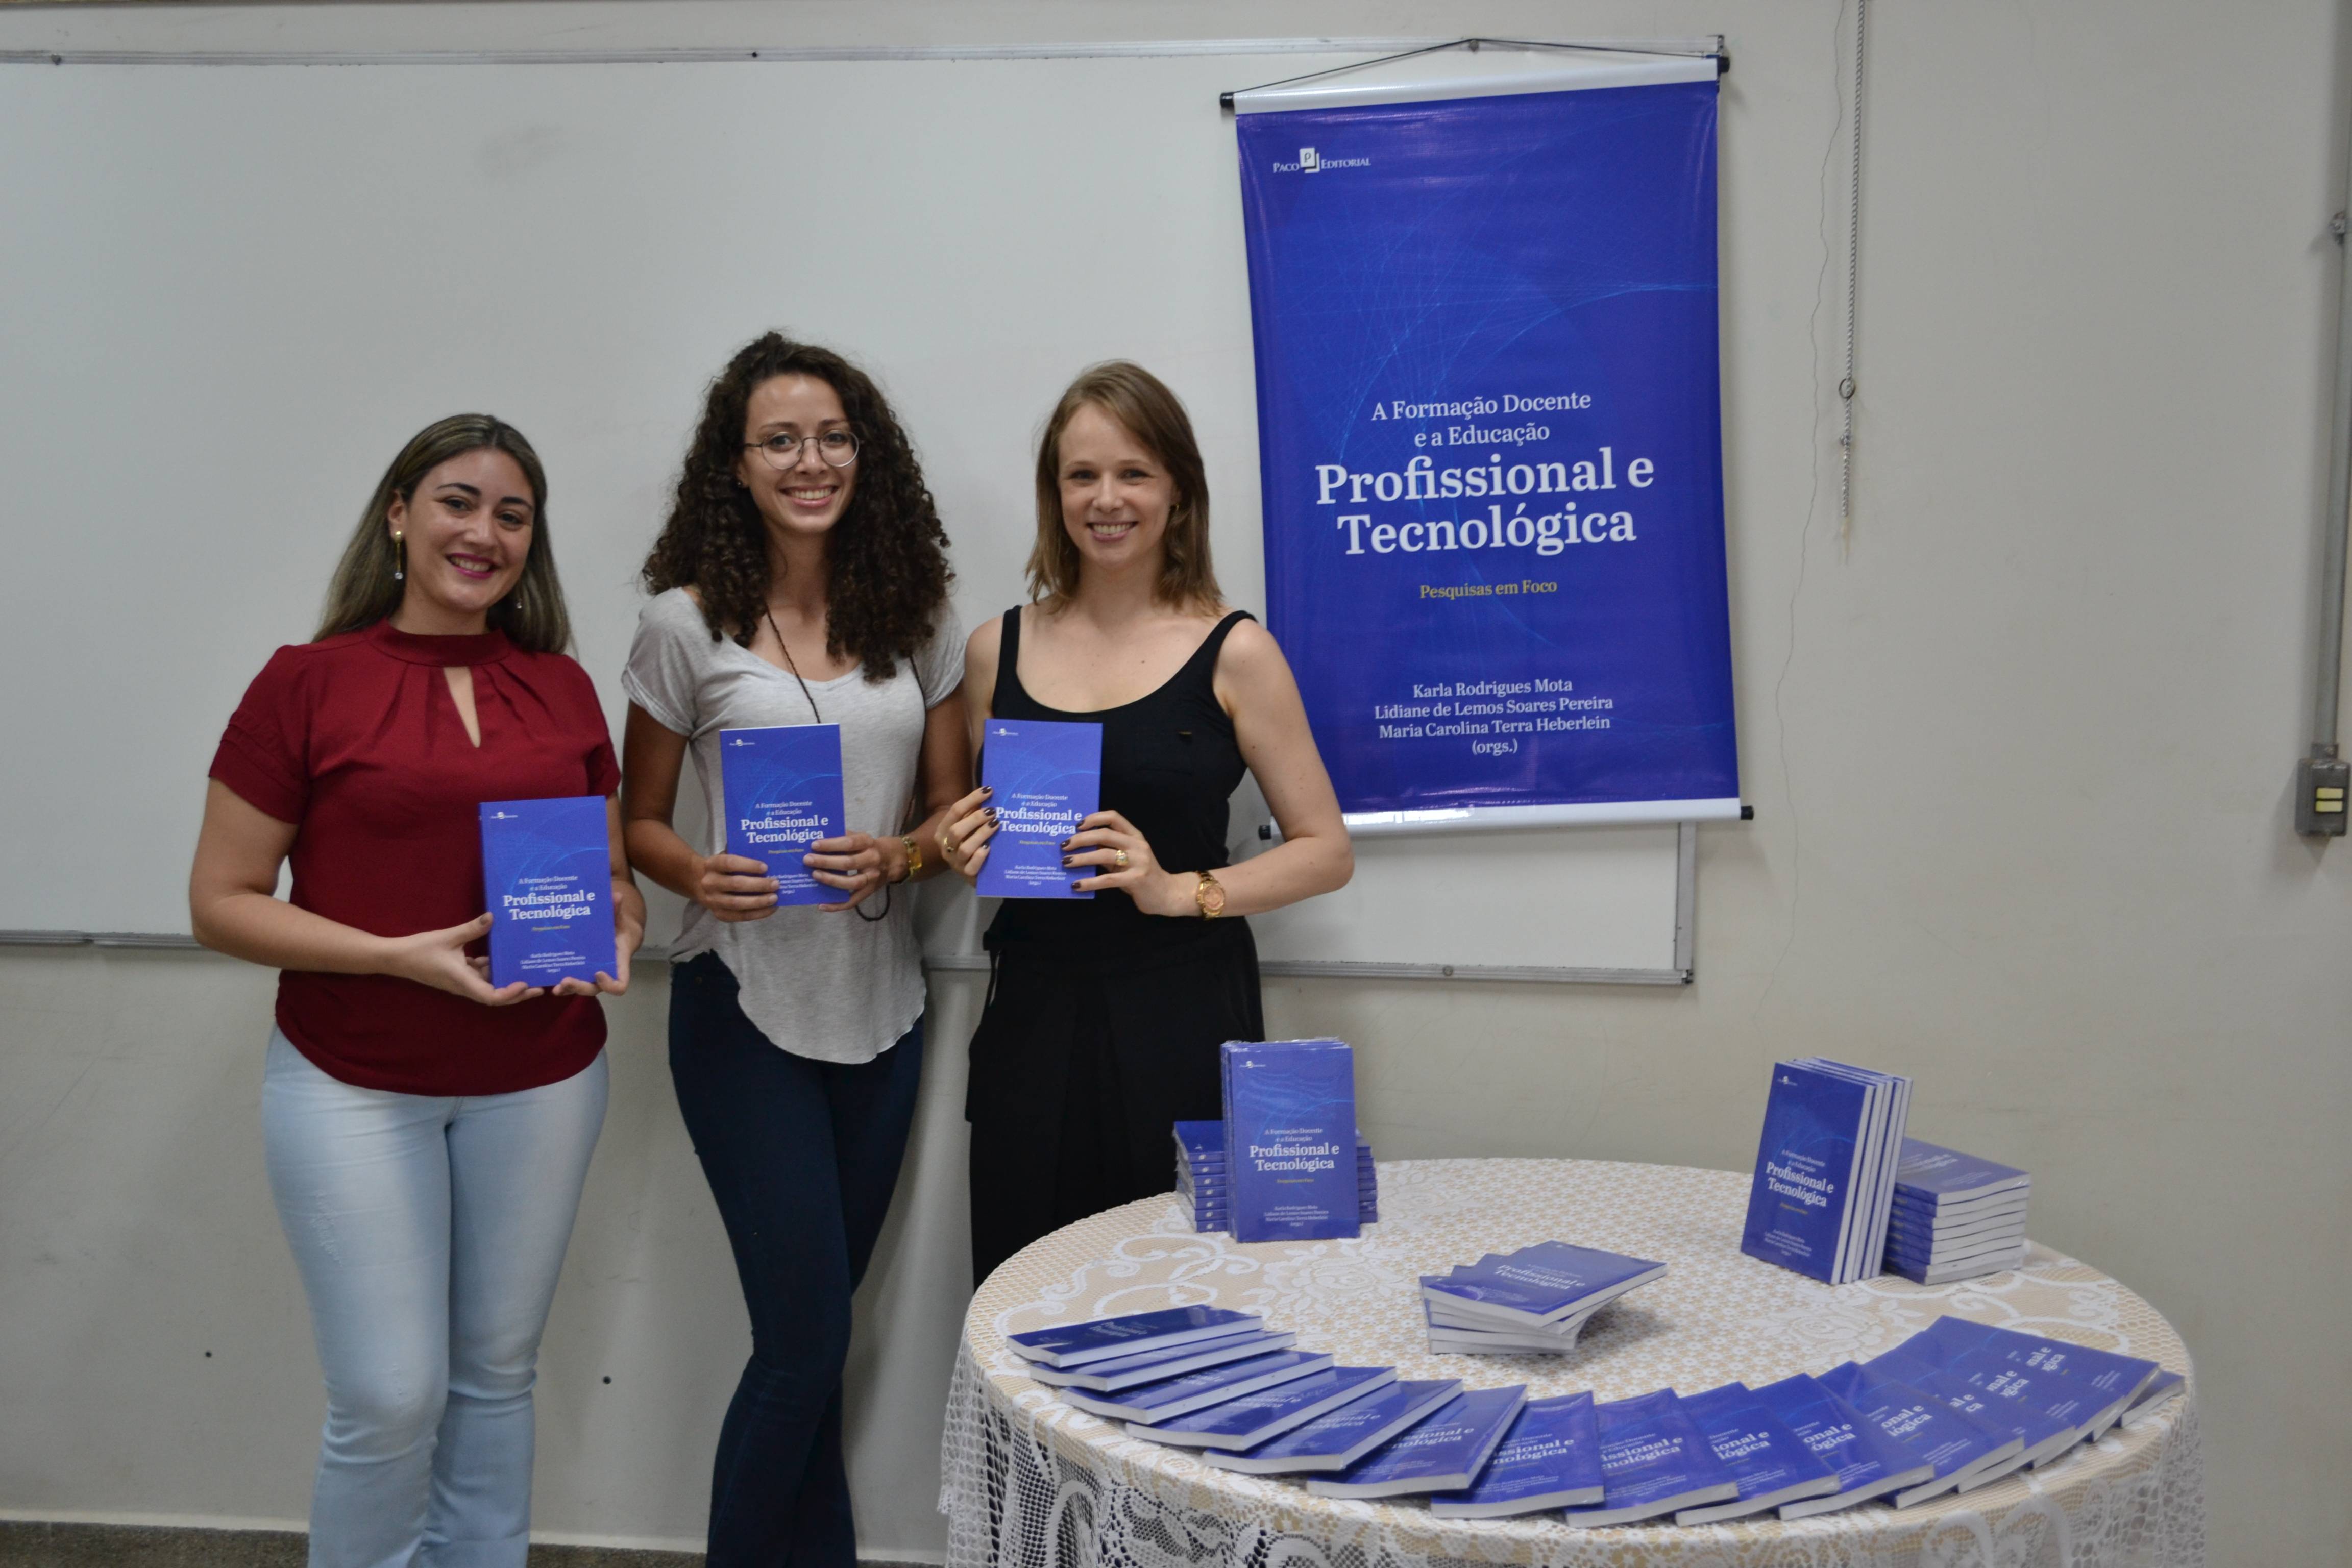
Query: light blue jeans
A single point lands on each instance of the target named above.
(428, 1233)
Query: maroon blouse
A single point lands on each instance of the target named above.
(357, 743)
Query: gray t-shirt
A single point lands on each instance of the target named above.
(833, 987)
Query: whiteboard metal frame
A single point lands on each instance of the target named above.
(1157, 49)
(1686, 903)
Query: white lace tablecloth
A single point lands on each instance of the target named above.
(1030, 1482)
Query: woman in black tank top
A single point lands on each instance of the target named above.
(1104, 1015)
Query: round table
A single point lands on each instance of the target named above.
(1030, 1482)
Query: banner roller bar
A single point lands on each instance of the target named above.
(1707, 55)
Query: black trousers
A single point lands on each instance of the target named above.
(801, 1156)
(1079, 1069)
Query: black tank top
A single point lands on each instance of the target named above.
(1169, 763)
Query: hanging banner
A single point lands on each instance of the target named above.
(1490, 443)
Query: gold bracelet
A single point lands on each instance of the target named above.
(914, 856)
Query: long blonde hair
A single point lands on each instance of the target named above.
(1154, 416)
(364, 591)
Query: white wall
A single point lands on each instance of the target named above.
(2020, 751)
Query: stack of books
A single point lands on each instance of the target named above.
(1532, 1301)
(1955, 1217)
(1825, 1186)
(1954, 1407)
(1207, 1196)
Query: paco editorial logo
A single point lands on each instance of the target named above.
(1311, 163)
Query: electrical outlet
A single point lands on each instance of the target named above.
(2320, 783)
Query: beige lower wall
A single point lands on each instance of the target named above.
(155, 1360)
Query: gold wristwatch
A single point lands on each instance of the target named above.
(914, 856)
(1210, 894)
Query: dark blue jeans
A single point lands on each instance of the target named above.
(801, 1156)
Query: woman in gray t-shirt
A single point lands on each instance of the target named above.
(801, 578)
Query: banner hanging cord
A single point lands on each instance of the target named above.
(1853, 287)
(1225, 100)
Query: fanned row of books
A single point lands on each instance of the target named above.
(1952, 1408)
(1955, 1216)
(1825, 1171)
(1203, 1181)
(1535, 1300)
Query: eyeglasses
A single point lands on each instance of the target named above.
(837, 447)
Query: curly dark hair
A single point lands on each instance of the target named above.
(887, 556)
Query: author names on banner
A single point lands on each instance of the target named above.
(1492, 715)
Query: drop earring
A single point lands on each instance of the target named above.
(399, 557)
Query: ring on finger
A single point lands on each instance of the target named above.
(1119, 858)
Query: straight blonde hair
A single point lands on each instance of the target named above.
(364, 591)
(1143, 407)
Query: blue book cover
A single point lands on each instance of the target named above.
(1889, 1111)
(2162, 1388)
(1132, 1333)
(1954, 1445)
(1770, 1464)
(547, 874)
(1290, 1139)
(1150, 1403)
(1249, 1419)
(2047, 1414)
(1443, 1454)
(1956, 1249)
(1653, 1460)
(1550, 1459)
(2114, 1380)
(1127, 1371)
(1868, 1463)
(1048, 775)
(1539, 1284)
(782, 788)
(1918, 1229)
(1800, 1208)
(1337, 1440)
(1933, 1175)
(1200, 1145)
(1945, 1273)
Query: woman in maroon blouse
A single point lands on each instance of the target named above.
(426, 1133)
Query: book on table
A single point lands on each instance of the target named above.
(1250, 1419)
(1048, 778)
(1203, 1187)
(2048, 1416)
(1151, 1366)
(1290, 1139)
(1535, 1285)
(1342, 1437)
(1955, 1215)
(1768, 1463)
(1957, 1448)
(1932, 1175)
(2110, 1380)
(1966, 1268)
(1653, 1461)
(547, 875)
(1868, 1464)
(2161, 1389)
(1443, 1453)
(1152, 1402)
(1824, 1185)
(781, 791)
(1550, 1459)
(1132, 1333)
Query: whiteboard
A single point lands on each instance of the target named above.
(237, 288)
